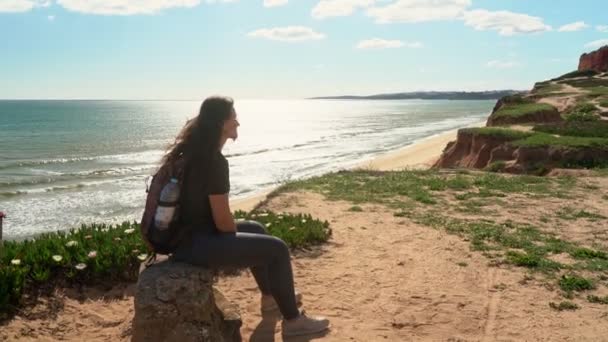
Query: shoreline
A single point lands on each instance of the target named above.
(418, 155)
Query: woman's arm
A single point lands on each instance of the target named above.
(222, 216)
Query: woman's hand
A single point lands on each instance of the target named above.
(222, 216)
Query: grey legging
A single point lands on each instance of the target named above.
(266, 256)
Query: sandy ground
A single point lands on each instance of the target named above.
(380, 278)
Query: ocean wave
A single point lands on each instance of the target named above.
(145, 156)
(81, 175)
(68, 187)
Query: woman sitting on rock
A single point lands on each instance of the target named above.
(216, 240)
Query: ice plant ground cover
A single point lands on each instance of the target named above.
(101, 254)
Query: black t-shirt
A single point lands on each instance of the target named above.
(198, 185)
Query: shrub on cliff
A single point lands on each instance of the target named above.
(598, 129)
(576, 73)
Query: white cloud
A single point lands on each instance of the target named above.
(51, 18)
(274, 3)
(124, 7)
(576, 26)
(505, 22)
(597, 43)
(21, 5)
(602, 28)
(287, 34)
(338, 8)
(377, 43)
(412, 11)
(498, 64)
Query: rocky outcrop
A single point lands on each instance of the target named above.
(177, 302)
(596, 60)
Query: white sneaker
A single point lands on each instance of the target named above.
(304, 325)
(269, 304)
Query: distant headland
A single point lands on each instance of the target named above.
(428, 95)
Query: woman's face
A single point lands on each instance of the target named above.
(230, 127)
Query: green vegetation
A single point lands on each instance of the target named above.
(421, 197)
(565, 305)
(498, 132)
(597, 129)
(100, 254)
(586, 83)
(583, 112)
(575, 74)
(598, 91)
(545, 140)
(569, 283)
(519, 110)
(568, 213)
(604, 103)
(598, 300)
(496, 166)
(545, 88)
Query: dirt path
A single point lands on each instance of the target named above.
(384, 278)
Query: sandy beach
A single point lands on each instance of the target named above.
(379, 278)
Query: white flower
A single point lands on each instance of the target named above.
(303, 221)
(292, 228)
(71, 243)
(263, 214)
(92, 254)
(80, 266)
(88, 237)
(135, 251)
(142, 257)
(268, 224)
(240, 219)
(117, 239)
(129, 231)
(57, 258)
(16, 262)
(105, 229)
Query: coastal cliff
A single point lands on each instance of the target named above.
(560, 123)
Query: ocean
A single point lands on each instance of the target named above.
(65, 163)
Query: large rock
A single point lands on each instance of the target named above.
(596, 60)
(176, 302)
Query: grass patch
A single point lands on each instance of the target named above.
(563, 306)
(568, 213)
(496, 166)
(598, 91)
(597, 299)
(586, 83)
(598, 129)
(462, 264)
(576, 74)
(519, 110)
(497, 132)
(355, 208)
(569, 283)
(546, 140)
(603, 103)
(544, 88)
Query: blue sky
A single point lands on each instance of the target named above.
(188, 49)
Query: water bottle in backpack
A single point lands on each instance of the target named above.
(167, 205)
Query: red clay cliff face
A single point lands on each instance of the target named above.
(596, 60)
(472, 150)
(478, 151)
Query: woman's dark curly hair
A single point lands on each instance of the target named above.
(198, 142)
